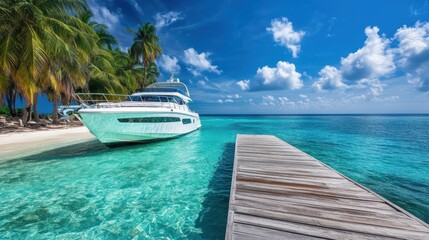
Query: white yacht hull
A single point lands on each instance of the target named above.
(121, 125)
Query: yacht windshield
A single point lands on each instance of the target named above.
(164, 89)
(172, 99)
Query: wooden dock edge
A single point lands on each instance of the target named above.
(376, 194)
(229, 228)
(229, 225)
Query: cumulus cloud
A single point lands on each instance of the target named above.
(165, 19)
(330, 79)
(303, 96)
(243, 84)
(199, 62)
(373, 60)
(413, 53)
(233, 96)
(283, 76)
(228, 98)
(202, 82)
(285, 35)
(285, 101)
(103, 15)
(268, 100)
(168, 64)
(362, 68)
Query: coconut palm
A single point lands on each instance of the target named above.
(152, 73)
(101, 71)
(127, 71)
(37, 37)
(145, 48)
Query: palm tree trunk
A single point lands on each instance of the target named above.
(11, 102)
(35, 110)
(55, 109)
(26, 113)
(1, 100)
(13, 108)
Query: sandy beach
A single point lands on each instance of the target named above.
(21, 144)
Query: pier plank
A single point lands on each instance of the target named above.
(280, 192)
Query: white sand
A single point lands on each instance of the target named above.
(14, 145)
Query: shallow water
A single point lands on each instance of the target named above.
(179, 189)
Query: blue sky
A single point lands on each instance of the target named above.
(287, 56)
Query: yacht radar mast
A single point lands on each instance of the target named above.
(172, 79)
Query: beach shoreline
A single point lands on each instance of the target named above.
(21, 144)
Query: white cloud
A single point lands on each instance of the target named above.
(165, 19)
(228, 98)
(362, 68)
(330, 79)
(202, 82)
(418, 10)
(285, 35)
(373, 60)
(169, 64)
(136, 6)
(283, 76)
(413, 52)
(268, 100)
(244, 84)
(199, 62)
(304, 97)
(285, 101)
(103, 15)
(233, 96)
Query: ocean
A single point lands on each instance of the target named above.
(179, 189)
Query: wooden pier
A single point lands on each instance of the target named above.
(280, 192)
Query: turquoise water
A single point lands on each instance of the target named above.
(179, 189)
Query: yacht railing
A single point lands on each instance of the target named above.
(105, 100)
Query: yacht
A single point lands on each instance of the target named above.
(160, 111)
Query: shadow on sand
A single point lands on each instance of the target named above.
(84, 149)
(213, 216)
(73, 150)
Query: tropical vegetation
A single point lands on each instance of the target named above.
(55, 48)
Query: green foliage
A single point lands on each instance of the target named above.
(5, 111)
(54, 47)
(145, 47)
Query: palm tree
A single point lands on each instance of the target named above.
(152, 73)
(36, 35)
(146, 47)
(127, 71)
(100, 69)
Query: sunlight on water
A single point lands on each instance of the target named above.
(179, 189)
